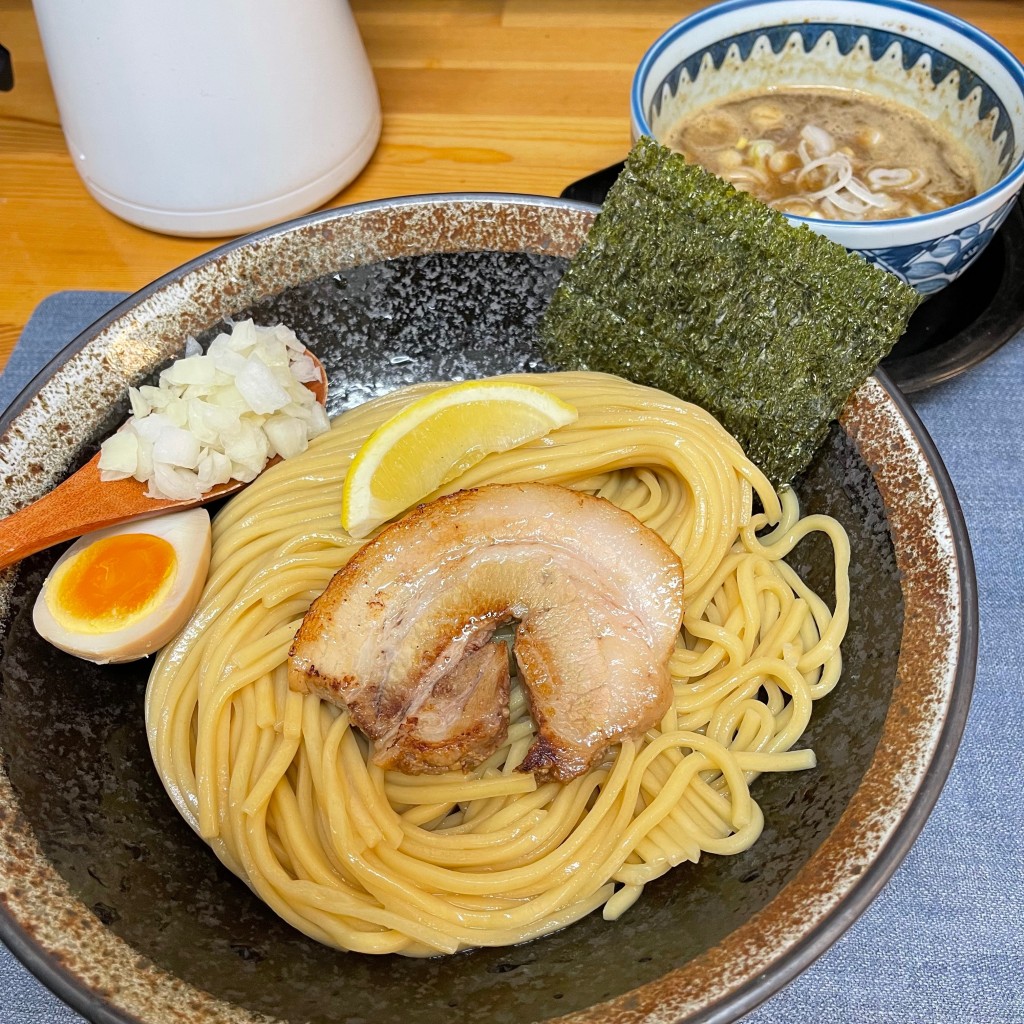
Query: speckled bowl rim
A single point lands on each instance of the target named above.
(878, 826)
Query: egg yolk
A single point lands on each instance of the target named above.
(112, 583)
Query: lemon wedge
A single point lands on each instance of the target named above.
(438, 437)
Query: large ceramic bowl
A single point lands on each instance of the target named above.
(110, 898)
(960, 78)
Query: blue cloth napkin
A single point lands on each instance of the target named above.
(944, 940)
(56, 321)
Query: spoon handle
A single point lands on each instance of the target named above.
(80, 504)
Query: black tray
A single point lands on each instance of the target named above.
(955, 329)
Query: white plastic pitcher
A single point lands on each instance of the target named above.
(211, 117)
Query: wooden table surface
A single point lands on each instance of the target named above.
(490, 95)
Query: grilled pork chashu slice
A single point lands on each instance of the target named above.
(402, 636)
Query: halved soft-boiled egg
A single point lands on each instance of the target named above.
(119, 594)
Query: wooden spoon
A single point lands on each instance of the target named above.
(84, 503)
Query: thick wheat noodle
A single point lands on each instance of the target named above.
(280, 784)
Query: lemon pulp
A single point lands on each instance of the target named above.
(438, 437)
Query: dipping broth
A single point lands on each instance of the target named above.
(834, 154)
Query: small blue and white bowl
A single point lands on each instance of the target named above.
(899, 50)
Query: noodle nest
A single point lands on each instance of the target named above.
(280, 784)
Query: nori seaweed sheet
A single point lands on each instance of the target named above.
(689, 285)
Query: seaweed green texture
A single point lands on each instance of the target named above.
(686, 284)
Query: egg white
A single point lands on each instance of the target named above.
(188, 533)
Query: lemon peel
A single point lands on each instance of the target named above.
(434, 439)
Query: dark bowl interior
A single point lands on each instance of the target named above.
(74, 747)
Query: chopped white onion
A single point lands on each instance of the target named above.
(838, 163)
(248, 448)
(140, 407)
(318, 421)
(150, 427)
(847, 204)
(172, 482)
(760, 151)
(154, 397)
(190, 370)
(225, 358)
(304, 369)
(899, 178)
(120, 455)
(819, 142)
(287, 436)
(843, 196)
(259, 387)
(144, 465)
(177, 447)
(218, 415)
(243, 336)
(889, 177)
(865, 195)
(214, 468)
(209, 422)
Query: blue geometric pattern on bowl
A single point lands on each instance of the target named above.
(930, 267)
(847, 37)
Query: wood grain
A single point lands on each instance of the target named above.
(492, 95)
